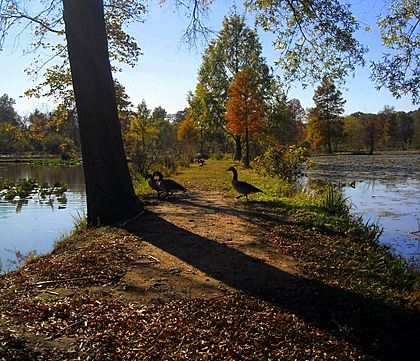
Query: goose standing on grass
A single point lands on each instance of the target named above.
(152, 182)
(242, 187)
(168, 186)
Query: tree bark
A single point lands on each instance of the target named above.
(109, 190)
(246, 159)
(238, 149)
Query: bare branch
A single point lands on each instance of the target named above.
(196, 30)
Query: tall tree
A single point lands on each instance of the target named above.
(10, 126)
(354, 132)
(406, 127)
(277, 116)
(245, 109)
(373, 130)
(328, 109)
(8, 113)
(213, 135)
(236, 48)
(390, 131)
(110, 194)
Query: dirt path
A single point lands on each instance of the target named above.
(204, 244)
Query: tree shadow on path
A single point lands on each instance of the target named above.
(385, 331)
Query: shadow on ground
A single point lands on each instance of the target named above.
(381, 330)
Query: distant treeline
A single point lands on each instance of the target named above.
(366, 132)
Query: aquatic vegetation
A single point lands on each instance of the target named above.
(26, 188)
(57, 162)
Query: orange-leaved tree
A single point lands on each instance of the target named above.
(189, 135)
(245, 109)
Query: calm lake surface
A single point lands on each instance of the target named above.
(37, 224)
(385, 190)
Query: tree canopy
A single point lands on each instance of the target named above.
(399, 69)
(315, 38)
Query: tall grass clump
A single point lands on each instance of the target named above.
(366, 231)
(332, 201)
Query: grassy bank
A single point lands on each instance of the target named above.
(349, 299)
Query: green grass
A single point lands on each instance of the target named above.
(214, 177)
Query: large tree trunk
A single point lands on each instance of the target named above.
(247, 157)
(238, 149)
(109, 190)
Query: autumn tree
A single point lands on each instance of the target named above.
(236, 48)
(245, 109)
(189, 136)
(327, 114)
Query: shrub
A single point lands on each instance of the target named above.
(286, 162)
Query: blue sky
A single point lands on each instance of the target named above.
(168, 69)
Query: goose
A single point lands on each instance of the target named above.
(242, 187)
(152, 182)
(168, 185)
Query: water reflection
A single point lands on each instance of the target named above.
(393, 205)
(36, 223)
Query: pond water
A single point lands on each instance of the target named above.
(384, 189)
(36, 224)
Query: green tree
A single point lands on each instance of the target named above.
(390, 131)
(406, 127)
(277, 115)
(327, 113)
(8, 113)
(11, 127)
(213, 136)
(236, 48)
(354, 132)
(398, 70)
(373, 126)
(141, 140)
(416, 126)
(315, 38)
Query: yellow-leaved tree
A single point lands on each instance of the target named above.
(189, 136)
